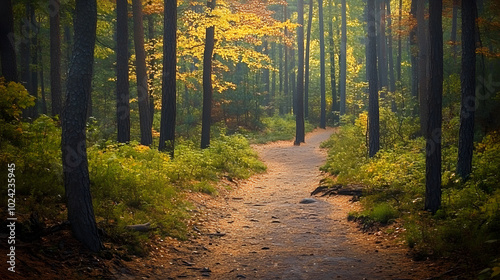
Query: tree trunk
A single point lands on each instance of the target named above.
(413, 52)
(322, 119)
(168, 100)
(55, 59)
(433, 135)
(73, 145)
(382, 45)
(122, 78)
(468, 79)
(454, 28)
(141, 73)
(34, 62)
(207, 82)
(333, 84)
(398, 59)
(423, 64)
(43, 100)
(7, 44)
(299, 116)
(392, 80)
(343, 60)
(292, 101)
(308, 47)
(373, 107)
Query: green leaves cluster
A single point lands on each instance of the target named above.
(394, 181)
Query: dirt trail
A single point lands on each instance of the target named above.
(268, 234)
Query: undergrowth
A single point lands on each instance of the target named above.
(468, 223)
(130, 183)
(275, 128)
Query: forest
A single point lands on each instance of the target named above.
(113, 113)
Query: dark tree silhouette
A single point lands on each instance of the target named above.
(7, 50)
(73, 145)
(333, 83)
(433, 133)
(55, 58)
(423, 64)
(322, 119)
(168, 100)
(141, 73)
(308, 48)
(373, 107)
(207, 83)
(343, 59)
(299, 116)
(468, 80)
(122, 78)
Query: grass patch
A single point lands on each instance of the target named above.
(276, 128)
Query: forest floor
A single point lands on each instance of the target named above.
(258, 230)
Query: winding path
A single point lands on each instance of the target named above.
(268, 234)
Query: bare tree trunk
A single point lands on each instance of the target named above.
(73, 145)
(299, 116)
(398, 59)
(168, 106)
(122, 78)
(55, 59)
(343, 59)
(322, 119)
(7, 49)
(373, 107)
(414, 51)
(454, 28)
(141, 73)
(333, 83)
(207, 83)
(382, 45)
(308, 47)
(468, 79)
(423, 64)
(433, 135)
(392, 80)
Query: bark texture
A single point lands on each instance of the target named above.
(73, 145)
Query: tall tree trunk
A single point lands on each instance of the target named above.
(141, 73)
(333, 84)
(25, 51)
(287, 78)
(293, 98)
(343, 59)
(414, 51)
(392, 80)
(272, 96)
(308, 48)
(281, 70)
(382, 45)
(454, 28)
(73, 145)
(207, 82)
(398, 58)
(265, 74)
(423, 64)
(43, 100)
(7, 49)
(55, 59)
(373, 107)
(322, 119)
(299, 116)
(34, 61)
(433, 135)
(468, 79)
(168, 100)
(122, 78)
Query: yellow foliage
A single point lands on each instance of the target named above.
(13, 99)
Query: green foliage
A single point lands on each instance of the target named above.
(276, 128)
(395, 187)
(130, 183)
(13, 99)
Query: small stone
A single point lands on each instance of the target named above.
(308, 201)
